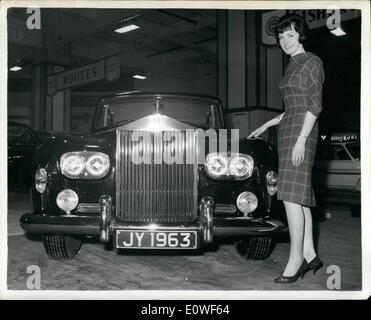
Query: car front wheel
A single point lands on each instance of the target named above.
(61, 247)
(255, 248)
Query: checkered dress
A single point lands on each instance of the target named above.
(301, 89)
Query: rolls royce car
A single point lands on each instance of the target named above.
(337, 170)
(158, 171)
(22, 146)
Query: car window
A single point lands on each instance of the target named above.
(332, 152)
(355, 150)
(340, 153)
(19, 135)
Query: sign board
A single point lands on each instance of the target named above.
(345, 137)
(108, 69)
(314, 18)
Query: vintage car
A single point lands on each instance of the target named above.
(22, 146)
(158, 171)
(337, 170)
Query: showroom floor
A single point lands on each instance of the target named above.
(221, 268)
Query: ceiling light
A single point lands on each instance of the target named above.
(338, 32)
(127, 28)
(137, 76)
(15, 68)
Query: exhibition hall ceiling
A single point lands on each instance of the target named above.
(72, 37)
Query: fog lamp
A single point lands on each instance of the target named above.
(41, 178)
(67, 200)
(247, 202)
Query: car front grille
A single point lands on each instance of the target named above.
(155, 191)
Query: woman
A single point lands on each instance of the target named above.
(301, 89)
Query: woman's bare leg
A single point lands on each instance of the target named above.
(308, 246)
(295, 218)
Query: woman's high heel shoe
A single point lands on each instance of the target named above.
(314, 265)
(295, 277)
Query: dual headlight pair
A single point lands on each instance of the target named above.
(235, 165)
(84, 165)
(77, 165)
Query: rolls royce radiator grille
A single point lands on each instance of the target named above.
(156, 176)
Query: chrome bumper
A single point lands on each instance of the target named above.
(105, 224)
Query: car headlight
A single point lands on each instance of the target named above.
(72, 165)
(97, 165)
(216, 164)
(241, 166)
(236, 165)
(85, 165)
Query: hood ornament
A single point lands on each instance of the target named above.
(157, 104)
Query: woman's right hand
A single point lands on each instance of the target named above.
(259, 131)
(273, 122)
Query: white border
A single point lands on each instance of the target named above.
(202, 294)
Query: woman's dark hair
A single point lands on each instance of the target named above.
(285, 22)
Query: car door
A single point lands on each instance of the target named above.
(336, 169)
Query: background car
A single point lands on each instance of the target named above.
(337, 170)
(43, 135)
(22, 146)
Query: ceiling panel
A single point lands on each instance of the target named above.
(73, 36)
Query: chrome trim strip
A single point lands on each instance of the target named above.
(151, 228)
(105, 218)
(118, 172)
(195, 171)
(225, 208)
(88, 208)
(206, 219)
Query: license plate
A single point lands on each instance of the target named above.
(156, 239)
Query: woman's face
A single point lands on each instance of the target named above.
(289, 41)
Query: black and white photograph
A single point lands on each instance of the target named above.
(185, 149)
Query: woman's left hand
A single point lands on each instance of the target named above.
(298, 152)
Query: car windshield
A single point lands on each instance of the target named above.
(199, 112)
(355, 150)
(19, 135)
